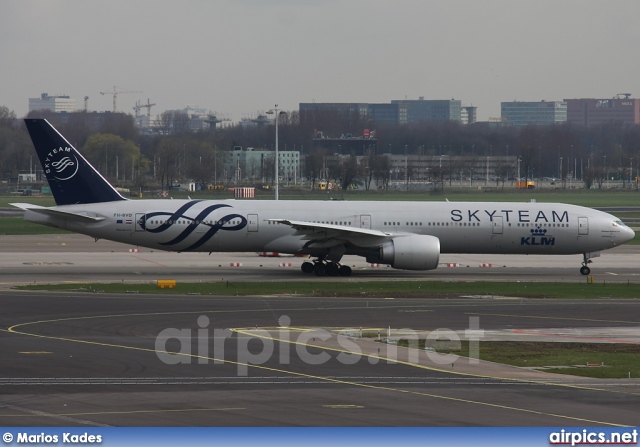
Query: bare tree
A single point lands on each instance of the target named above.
(7, 117)
(114, 156)
(174, 123)
(349, 171)
(502, 174)
(313, 166)
(167, 156)
(382, 171)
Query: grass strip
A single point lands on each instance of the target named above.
(17, 226)
(370, 289)
(478, 193)
(615, 360)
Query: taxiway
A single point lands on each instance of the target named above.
(103, 359)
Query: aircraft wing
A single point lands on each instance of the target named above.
(58, 213)
(329, 234)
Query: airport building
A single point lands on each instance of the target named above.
(541, 113)
(196, 117)
(431, 110)
(53, 103)
(342, 108)
(398, 111)
(468, 115)
(258, 165)
(460, 170)
(347, 144)
(394, 113)
(352, 111)
(592, 112)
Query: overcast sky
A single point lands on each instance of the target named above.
(238, 57)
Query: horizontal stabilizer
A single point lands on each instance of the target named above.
(60, 214)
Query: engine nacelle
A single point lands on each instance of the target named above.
(412, 252)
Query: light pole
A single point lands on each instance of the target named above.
(560, 173)
(518, 179)
(277, 112)
(406, 169)
(486, 181)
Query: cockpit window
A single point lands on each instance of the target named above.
(618, 223)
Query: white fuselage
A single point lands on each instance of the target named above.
(247, 225)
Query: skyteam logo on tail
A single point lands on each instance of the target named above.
(61, 164)
(538, 236)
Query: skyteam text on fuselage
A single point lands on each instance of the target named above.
(405, 235)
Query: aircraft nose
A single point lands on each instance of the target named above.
(625, 234)
(628, 235)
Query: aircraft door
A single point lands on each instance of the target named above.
(583, 225)
(139, 222)
(365, 221)
(252, 222)
(496, 225)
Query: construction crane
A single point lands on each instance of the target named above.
(115, 94)
(139, 106)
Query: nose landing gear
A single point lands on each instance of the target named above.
(585, 270)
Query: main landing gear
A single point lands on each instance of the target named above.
(325, 268)
(585, 270)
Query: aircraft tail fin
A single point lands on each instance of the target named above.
(71, 177)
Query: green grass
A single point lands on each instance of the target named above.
(34, 200)
(570, 358)
(372, 289)
(583, 197)
(590, 198)
(19, 227)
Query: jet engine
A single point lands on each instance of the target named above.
(411, 252)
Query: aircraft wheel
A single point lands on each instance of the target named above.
(585, 270)
(344, 270)
(331, 269)
(319, 269)
(307, 267)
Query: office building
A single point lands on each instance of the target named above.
(541, 113)
(592, 112)
(53, 103)
(396, 112)
(259, 165)
(431, 110)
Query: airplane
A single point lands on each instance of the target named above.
(404, 235)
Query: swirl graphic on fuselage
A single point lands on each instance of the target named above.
(215, 225)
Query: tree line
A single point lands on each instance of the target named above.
(127, 156)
